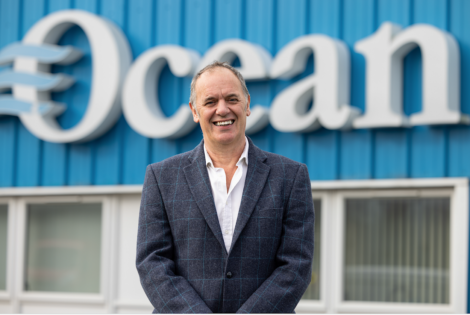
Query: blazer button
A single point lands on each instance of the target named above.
(229, 275)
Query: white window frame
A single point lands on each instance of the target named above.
(21, 231)
(319, 306)
(333, 195)
(6, 294)
(105, 301)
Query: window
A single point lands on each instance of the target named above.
(397, 250)
(3, 246)
(390, 246)
(63, 247)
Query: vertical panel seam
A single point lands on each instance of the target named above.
(446, 151)
(17, 121)
(183, 23)
(14, 171)
(153, 23)
(446, 128)
(243, 19)
(448, 7)
(212, 12)
(341, 19)
(98, 7)
(373, 146)
(307, 15)
(338, 172)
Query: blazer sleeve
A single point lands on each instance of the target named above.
(168, 292)
(282, 290)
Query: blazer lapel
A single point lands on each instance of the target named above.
(200, 186)
(255, 181)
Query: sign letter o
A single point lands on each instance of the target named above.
(111, 59)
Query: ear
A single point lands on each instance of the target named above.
(195, 115)
(248, 112)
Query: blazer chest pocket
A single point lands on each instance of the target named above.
(269, 213)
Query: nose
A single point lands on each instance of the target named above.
(222, 108)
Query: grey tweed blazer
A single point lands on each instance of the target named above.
(181, 258)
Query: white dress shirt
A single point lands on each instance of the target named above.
(227, 204)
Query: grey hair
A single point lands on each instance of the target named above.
(216, 64)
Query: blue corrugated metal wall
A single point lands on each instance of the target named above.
(120, 156)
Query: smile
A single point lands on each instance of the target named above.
(224, 123)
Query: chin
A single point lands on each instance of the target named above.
(225, 138)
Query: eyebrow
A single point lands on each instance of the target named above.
(209, 98)
(213, 97)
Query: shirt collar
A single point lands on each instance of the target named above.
(243, 157)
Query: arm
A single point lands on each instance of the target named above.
(168, 292)
(281, 292)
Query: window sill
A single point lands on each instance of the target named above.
(62, 297)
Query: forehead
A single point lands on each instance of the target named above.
(218, 80)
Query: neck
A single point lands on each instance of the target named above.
(225, 155)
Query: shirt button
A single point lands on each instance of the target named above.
(229, 275)
(227, 232)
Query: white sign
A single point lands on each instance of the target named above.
(328, 87)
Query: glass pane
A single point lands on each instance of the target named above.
(313, 290)
(397, 250)
(63, 248)
(3, 246)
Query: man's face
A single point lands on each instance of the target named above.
(222, 107)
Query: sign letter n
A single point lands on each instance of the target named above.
(384, 52)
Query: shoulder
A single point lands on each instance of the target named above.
(280, 166)
(171, 164)
(273, 159)
(284, 167)
(279, 162)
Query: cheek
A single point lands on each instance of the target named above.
(206, 116)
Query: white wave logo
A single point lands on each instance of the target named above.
(45, 54)
(31, 80)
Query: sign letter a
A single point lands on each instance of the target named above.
(328, 86)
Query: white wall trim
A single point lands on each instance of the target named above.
(316, 185)
(71, 190)
(389, 183)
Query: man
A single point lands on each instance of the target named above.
(225, 227)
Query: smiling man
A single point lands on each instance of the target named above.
(225, 227)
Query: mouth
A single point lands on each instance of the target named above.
(224, 123)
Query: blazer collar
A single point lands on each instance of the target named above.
(200, 186)
(256, 177)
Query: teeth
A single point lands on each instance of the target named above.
(224, 123)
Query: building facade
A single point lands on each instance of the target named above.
(372, 95)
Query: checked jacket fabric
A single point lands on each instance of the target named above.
(181, 258)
